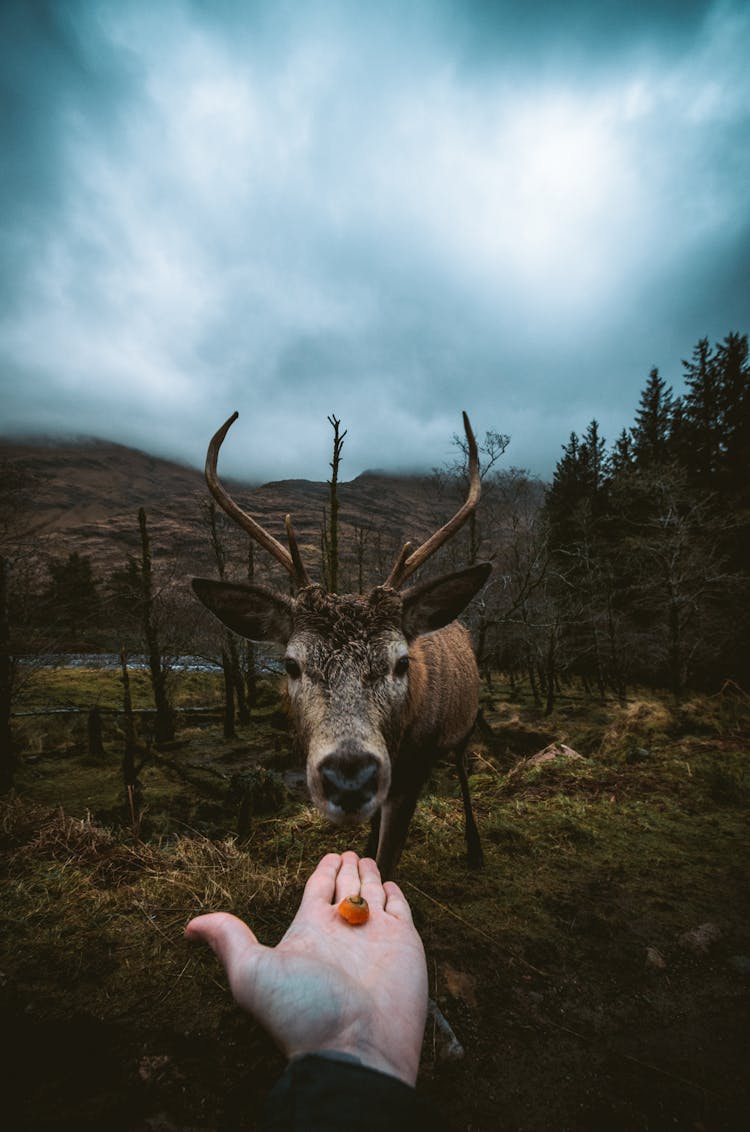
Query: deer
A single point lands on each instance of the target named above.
(380, 686)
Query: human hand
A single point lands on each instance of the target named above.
(329, 985)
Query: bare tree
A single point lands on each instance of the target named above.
(250, 659)
(19, 631)
(362, 535)
(235, 691)
(130, 769)
(330, 538)
(679, 573)
(164, 729)
(490, 451)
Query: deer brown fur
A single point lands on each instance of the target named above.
(380, 686)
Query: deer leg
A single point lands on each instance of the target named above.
(393, 821)
(373, 837)
(473, 844)
(395, 815)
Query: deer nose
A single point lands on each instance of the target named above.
(349, 781)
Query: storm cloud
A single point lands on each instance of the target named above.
(389, 212)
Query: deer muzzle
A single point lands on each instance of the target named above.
(351, 782)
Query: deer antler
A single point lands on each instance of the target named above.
(292, 562)
(407, 563)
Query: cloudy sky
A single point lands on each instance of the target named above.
(391, 212)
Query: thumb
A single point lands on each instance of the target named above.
(231, 940)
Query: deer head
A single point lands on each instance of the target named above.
(355, 679)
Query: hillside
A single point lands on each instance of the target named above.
(85, 496)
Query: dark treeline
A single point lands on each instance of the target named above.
(647, 541)
(631, 567)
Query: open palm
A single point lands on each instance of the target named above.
(329, 985)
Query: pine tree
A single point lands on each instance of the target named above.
(621, 458)
(593, 462)
(732, 366)
(701, 451)
(576, 507)
(733, 498)
(564, 491)
(652, 432)
(72, 594)
(579, 485)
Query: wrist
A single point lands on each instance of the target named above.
(405, 1069)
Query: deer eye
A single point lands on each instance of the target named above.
(293, 669)
(401, 667)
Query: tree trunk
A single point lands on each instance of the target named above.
(598, 665)
(484, 662)
(164, 728)
(226, 663)
(550, 674)
(94, 733)
(360, 544)
(333, 529)
(250, 673)
(234, 686)
(133, 790)
(614, 656)
(325, 550)
(675, 650)
(533, 683)
(473, 539)
(240, 691)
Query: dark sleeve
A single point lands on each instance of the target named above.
(322, 1094)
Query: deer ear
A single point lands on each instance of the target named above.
(437, 602)
(254, 612)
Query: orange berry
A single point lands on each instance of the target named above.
(354, 909)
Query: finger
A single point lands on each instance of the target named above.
(231, 940)
(396, 903)
(321, 884)
(234, 945)
(347, 881)
(371, 884)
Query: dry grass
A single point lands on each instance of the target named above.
(589, 862)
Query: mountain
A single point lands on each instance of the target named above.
(85, 496)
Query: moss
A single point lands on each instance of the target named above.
(726, 778)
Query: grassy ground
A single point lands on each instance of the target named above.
(596, 970)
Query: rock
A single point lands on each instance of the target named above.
(449, 1048)
(553, 751)
(740, 964)
(700, 939)
(150, 1068)
(655, 961)
(460, 985)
